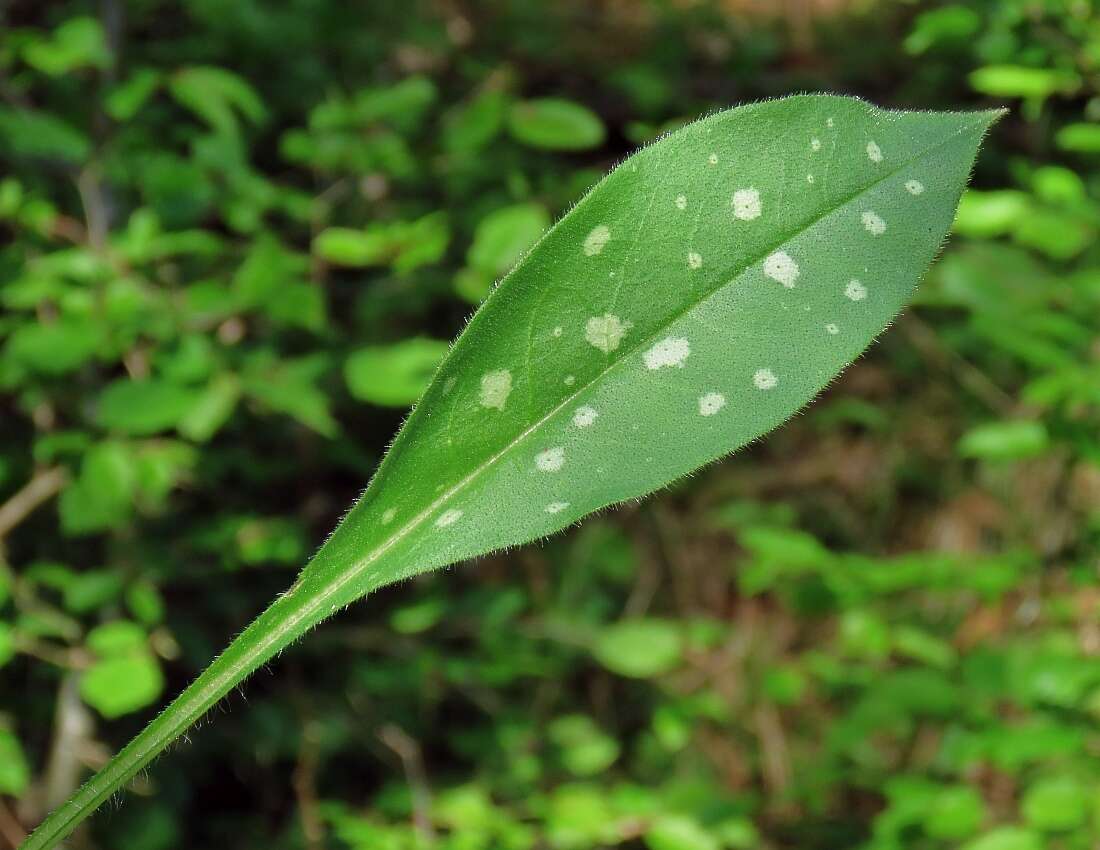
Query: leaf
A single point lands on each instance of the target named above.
(700, 295)
(216, 96)
(640, 649)
(144, 407)
(393, 375)
(121, 684)
(505, 235)
(555, 124)
(1079, 138)
(1021, 81)
(1009, 440)
(15, 773)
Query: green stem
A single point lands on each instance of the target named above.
(286, 619)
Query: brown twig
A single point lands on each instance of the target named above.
(408, 750)
(43, 485)
(305, 787)
(10, 829)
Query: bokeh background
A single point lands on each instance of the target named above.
(235, 238)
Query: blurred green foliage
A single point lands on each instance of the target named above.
(236, 237)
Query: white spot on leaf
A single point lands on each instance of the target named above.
(681, 202)
(388, 515)
(671, 351)
(495, 388)
(711, 403)
(764, 379)
(713, 159)
(873, 223)
(584, 416)
(855, 290)
(874, 152)
(596, 239)
(550, 460)
(815, 144)
(809, 178)
(781, 268)
(829, 122)
(832, 329)
(746, 204)
(557, 331)
(606, 331)
(448, 517)
(556, 507)
(694, 260)
(569, 380)
(914, 187)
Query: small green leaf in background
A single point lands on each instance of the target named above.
(144, 407)
(75, 44)
(505, 235)
(1079, 138)
(126, 676)
(954, 813)
(679, 832)
(15, 773)
(55, 348)
(1009, 440)
(217, 96)
(7, 643)
(555, 124)
(1057, 804)
(1020, 81)
(1007, 838)
(640, 648)
(585, 749)
(394, 375)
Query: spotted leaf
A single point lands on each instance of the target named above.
(700, 294)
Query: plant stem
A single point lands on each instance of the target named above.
(285, 620)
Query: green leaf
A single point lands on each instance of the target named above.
(1079, 138)
(77, 43)
(678, 832)
(640, 648)
(393, 375)
(1057, 804)
(26, 133)
(7, 643)
(699, 296)
(15, 774)
(121, 684)
(1010, 440)
(144, 407)
(1007, 838)
(505, 235)
(555, 124)
(217, 96)
(55, 348)
(1021, 81)
(954, 813)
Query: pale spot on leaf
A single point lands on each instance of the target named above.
(873, 223)
(596, 239)
(815, 144)
(569, 380)
(746, 204)
(809, 178)
(584, 416)
(672, 351)
(764, 379)
(448, 517)
(557, 331)
(855, 290)
(781, 268)
(495, 388)
(829, 122)
(556, 507)
(832, 329)
(874, 152)
(914, 187)
(711, 403)
(606, 331)
(713, 159)
(388, 515)
(681, 202)
(695, 260)
(550, 460)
